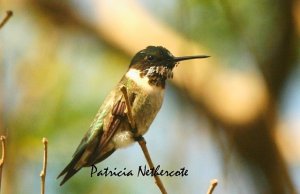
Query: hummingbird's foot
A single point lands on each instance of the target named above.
(139, 138)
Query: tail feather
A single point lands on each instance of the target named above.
(70, 170)
(68, 175)
(91, 151)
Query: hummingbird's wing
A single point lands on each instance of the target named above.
(93, 147)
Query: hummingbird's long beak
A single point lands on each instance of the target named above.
(177, 59)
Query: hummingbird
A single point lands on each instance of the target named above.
(145, 81)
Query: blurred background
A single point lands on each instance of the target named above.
(233, 116)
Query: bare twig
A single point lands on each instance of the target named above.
(2, 139)
(142, 142)
(213, 184)
(158, 182)
(44, 170)
(129, 112)
(9, 13)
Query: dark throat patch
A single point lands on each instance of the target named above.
(157, 75)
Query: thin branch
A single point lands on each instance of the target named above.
(129, 112)
(9, 13)
(2, 139)
(213, 184)
(158, 182)
(44, 170)
(142, 142)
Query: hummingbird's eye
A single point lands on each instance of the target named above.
(150, 57)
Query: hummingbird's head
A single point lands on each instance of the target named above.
(157, 63)
(153, 56)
